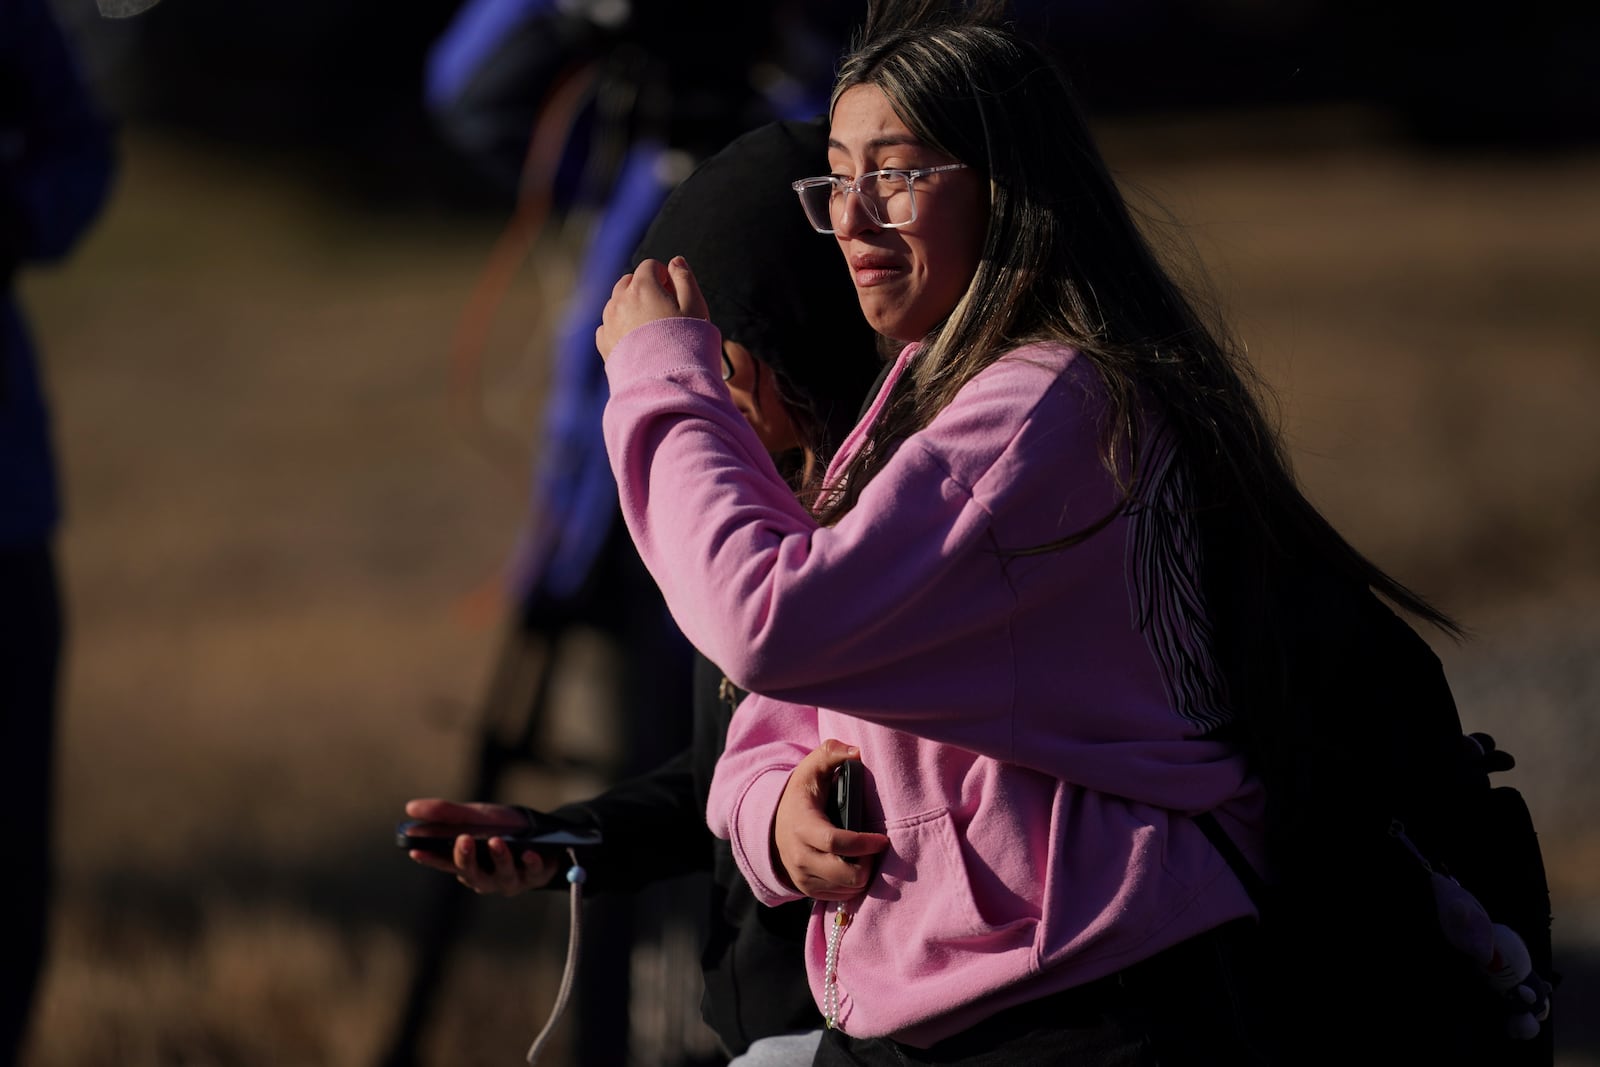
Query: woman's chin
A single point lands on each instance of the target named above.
(892, 321)
(891, 326)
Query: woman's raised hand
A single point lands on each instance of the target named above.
(511, 875)
(653, 291)
(821, 860)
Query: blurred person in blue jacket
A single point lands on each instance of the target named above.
(56, 163)
(667, 86)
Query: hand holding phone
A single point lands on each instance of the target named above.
(542, 833)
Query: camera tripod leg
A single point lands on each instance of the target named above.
(521, 679)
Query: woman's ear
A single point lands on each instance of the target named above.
(737, 365)
(753, 388)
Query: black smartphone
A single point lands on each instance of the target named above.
(844, 795)
(544, 833)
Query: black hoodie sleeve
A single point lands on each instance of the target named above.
(652, 827)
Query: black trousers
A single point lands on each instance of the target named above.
(1198, 1003)
(30, 653)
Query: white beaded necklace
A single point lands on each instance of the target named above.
(830, 966)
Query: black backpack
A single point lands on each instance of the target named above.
(1373, 789)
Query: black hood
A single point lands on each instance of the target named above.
(772, 283)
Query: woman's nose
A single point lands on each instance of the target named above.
(853, 217)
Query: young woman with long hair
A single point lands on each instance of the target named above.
(1006, 600)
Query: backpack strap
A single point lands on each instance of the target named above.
(1254, 884)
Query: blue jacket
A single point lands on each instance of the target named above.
(56, 162)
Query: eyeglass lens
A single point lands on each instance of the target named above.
(886, 198)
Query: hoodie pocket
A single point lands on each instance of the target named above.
(921, 913)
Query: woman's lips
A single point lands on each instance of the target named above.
(873, 270)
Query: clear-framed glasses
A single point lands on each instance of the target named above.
(727, 367)
(889, 197)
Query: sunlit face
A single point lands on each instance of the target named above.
(908, 279)
(754, 389)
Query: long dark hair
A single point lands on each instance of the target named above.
(1064, 261)
(820, 423)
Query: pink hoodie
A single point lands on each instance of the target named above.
(1031, 724)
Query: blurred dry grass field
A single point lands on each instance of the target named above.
(276, 531)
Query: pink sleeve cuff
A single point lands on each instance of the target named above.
(664, 347)
(752, 838)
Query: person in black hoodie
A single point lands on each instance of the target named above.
(799, 361)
